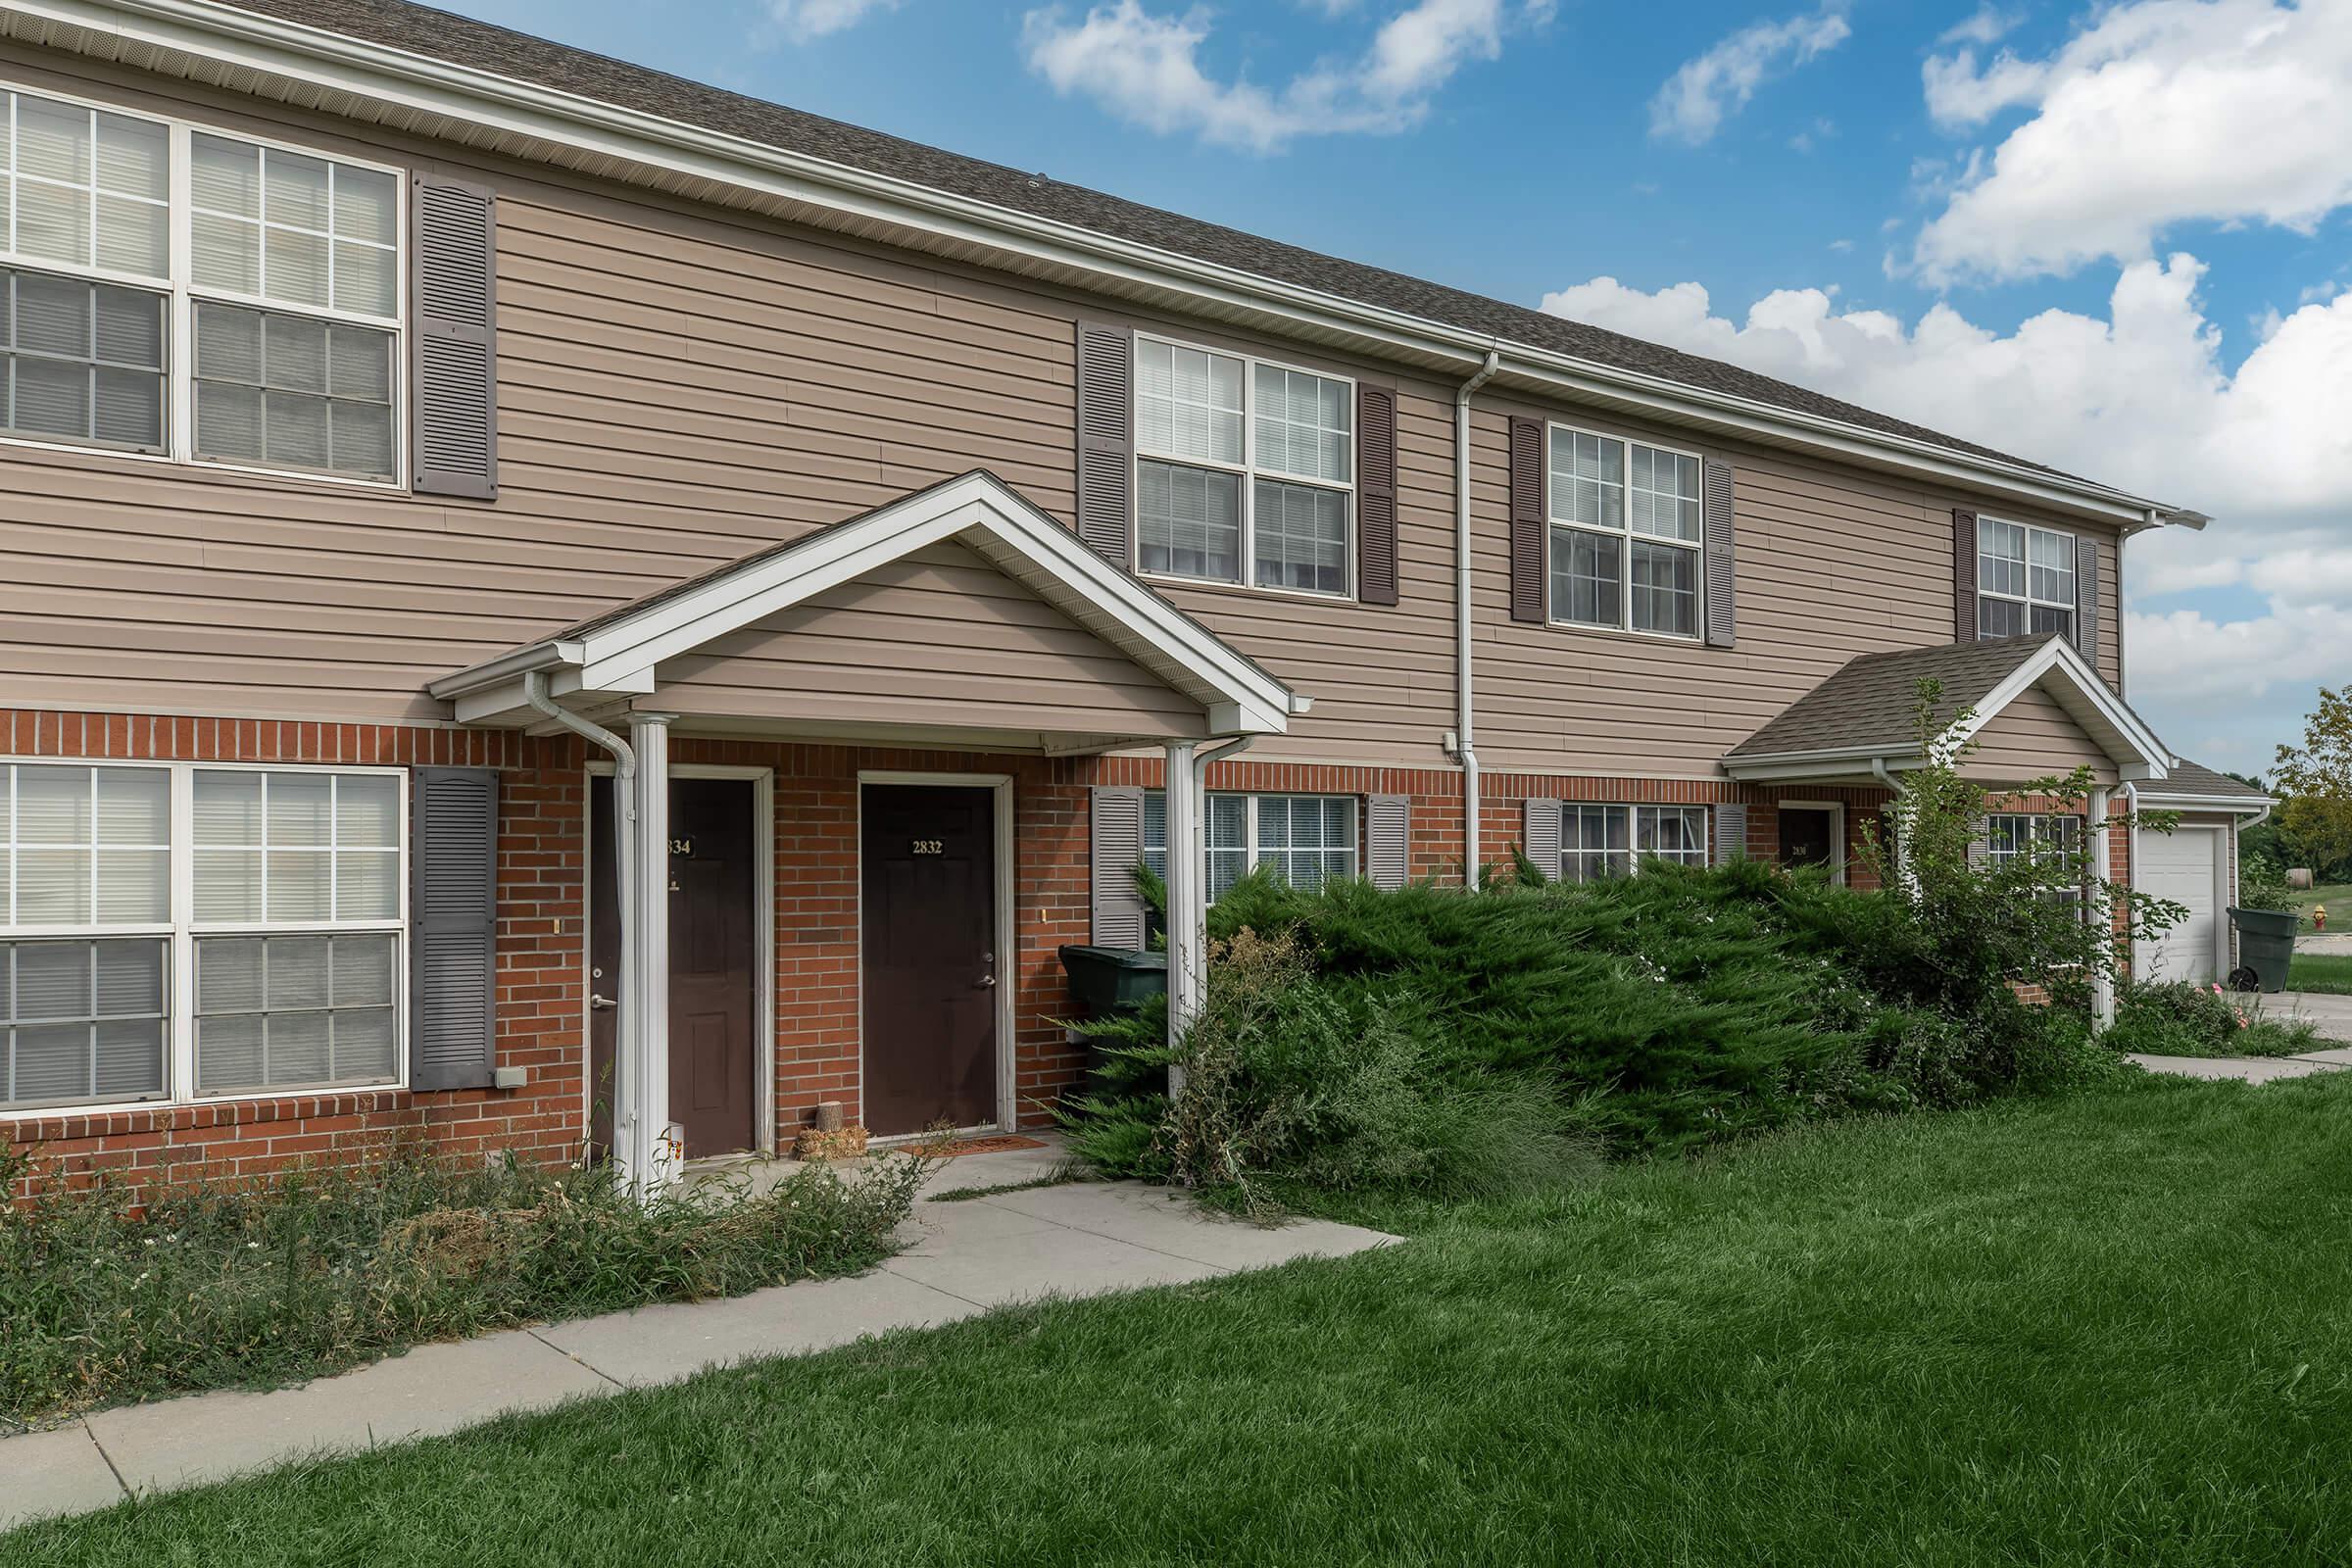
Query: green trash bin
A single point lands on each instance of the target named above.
(1108, 980)
(2265, 947)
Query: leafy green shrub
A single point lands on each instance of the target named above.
(2175, 1018)
(2262, 885)
(106, 1297)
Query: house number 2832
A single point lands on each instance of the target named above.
(928, 847)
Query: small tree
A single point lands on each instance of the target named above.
(2316, 781)
(1972, 923)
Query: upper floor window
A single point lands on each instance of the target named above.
(2024, 580)
(1626, 535)
(277, 892)
(1243, 467)
(263, 330)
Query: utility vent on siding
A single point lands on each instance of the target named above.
(455, 400)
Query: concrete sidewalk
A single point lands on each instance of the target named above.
(2331, 1015)
(963, 1258)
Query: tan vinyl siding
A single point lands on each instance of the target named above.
(940, 639)
(681, 386)
(2033, 737)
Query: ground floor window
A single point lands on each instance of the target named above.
(1605, 841)
(2054, 842)
(1303, 840)
(170, 931)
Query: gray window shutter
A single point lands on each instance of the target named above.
(1527, 520)
(1387, 823)
(1117, 818)
(1723, 576)
(1730, 834)
(2086, 598)
(1964, 575)
(456, 357)
(1375, 494)
(1106, 441)
(452, 928)
(1539, 822)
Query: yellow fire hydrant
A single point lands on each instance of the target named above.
(2318, 918)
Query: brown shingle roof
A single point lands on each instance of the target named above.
(2185, 778)
(1873, 701)
(463, 41)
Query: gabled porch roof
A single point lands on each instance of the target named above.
(619, 654)
(1864, 718)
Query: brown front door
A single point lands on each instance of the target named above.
(714, 980)
(1805, 835)
(930, 880)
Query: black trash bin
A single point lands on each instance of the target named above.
(2265, 947)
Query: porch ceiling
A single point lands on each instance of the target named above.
(957, 615)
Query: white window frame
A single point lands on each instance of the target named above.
(1249, 472)
(1625, 536)
(1251, 846)
(180, 293)
(184, 930)
(1633, 852)
(2026, 600)
(2036, 829)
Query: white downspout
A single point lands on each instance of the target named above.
(628, 1147)
(1465, 734)
(1902, 850)
(1188, 884)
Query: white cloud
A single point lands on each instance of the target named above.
(1989, 24)
(2161, 111)
(1145, 66)
(804, 19)
(2140, 399)
(1709, 88)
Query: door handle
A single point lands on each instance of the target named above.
(600, 1003)
(986, 982)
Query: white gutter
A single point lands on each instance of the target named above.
(1465, 718)
(339, 62)
(632, 1144)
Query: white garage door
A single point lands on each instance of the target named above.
(2179, 867)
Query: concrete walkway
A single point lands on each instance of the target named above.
(2331, 1015)
(963, 1258)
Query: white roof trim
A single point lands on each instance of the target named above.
(2068, 677)
(621, 655)
(2120, 733)
(339, 62)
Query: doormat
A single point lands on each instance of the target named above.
(980, 1145)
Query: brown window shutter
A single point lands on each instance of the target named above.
(1106, 441)
(455, 359)
(1723, 575)
(1387, 828)
(1375, 494)
(1527, 520)
(1964, 575)
(452, 928)
(2086, 598)
(1117, 828)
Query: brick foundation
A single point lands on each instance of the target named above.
(542, 939)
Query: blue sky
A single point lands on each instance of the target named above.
(2109, 238)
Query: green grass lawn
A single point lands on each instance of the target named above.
(2321, 971)
(2337, 896)
(2110, 1329)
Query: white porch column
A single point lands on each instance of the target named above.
(1188, 904)
(2102, 910)
(652, 1139)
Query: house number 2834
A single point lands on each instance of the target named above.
(928, 847)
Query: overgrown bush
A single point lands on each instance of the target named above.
(2175, 1018)
(106, 1297)
(2262, 885)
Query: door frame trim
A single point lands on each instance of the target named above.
(1007, 946)
(764, 934)
(1839, 859)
